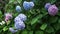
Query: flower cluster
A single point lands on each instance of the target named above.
(47, 5)
(12, 30)
(19, 24)
(19, 20)
(28, 5)
(18, 8)
(52, 9)
(8, 16)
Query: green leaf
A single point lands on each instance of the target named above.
(57, 26)
(53, 19)
(52, 1)
(24, 32)
(43, 10)
(0, 13)
(58, 13)
(58, 20)
(11, 1)
(30, 32)
(39, 32)
(43, 26)
(49, 29)
(19, 1)
(8, 22)
(34, 20)
(5, 28)
(15, 14)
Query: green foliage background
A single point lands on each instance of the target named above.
(38, 20)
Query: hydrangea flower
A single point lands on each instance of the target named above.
(53, 10)
(31, 4)
(8, 16)
(18, 8)
(12, 30)
(28, 5)
(47, 5)
(20, 25)
(22, 17)
(17, 19)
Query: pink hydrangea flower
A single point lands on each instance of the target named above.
(8, 16)
(52, 10)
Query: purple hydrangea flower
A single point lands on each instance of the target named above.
(18, 8)
(28, 5)
(53, 10)
(47, 5)
(12, 30)
(17, 19)
(22, 17)
(20, 25)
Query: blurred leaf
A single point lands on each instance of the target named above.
(5, 28)
(15, 14)
(58, 13)
(53, 19)
(52, 1)
(33, 11)
(30, 32)
(19, 1)
(39, 32)
(43, 10)
(49, 29)
(8, 22)
(43, 26)
(11, 1)
(57, 26)
(0, 13)
(58, 20)
(24, 32)
(35, 19)
(28, 27)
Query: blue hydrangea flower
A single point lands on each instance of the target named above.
(18, 8)
(47, 5)
(31, 4)
(22, 17)
(20, 25)
(12, 30)
(28, 5)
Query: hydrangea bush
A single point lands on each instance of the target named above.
(29, 16)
